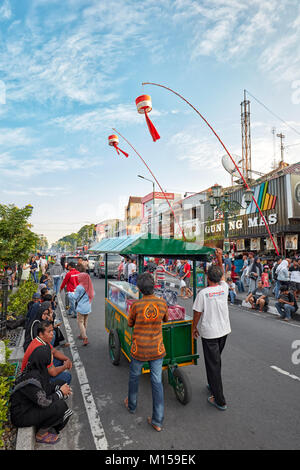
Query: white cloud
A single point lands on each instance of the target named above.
(17, 137)
(44, 163)
(5, 11)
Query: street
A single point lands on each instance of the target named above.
(263, 406)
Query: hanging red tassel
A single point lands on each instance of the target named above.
(144, 106)
(155, 135)
(119, 150)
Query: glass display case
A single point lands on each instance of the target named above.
(122, 294)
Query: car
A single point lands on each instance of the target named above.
(92, 260)
(72, 259)
(114, 261)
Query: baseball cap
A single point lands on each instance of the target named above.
(36, 295)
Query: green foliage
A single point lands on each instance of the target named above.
(76, 239)
(18, 301)
(16, 238)
(7, 371)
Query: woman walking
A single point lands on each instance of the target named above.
(82, 298)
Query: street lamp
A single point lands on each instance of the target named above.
(216, 200)
(153, 201)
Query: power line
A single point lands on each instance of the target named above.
(278, 117)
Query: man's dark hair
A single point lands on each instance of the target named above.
(42, 326)
(214, 274)
(145, 283)
(43, 291)
(47, 298)
(71, 264)
(284, 288)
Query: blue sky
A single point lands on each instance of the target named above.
(71, 70)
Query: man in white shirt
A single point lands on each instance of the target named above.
(211, 309)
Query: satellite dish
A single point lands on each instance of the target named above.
(229, 165)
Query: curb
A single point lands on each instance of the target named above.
(25, 438)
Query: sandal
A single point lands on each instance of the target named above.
(157, 428)
(48, 438)
(211, 400)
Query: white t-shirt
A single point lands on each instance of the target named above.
(43, 262)
(131, 269)
(212, 303)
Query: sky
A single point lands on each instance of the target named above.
(70, 72)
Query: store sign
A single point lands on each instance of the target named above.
(240, 224)
(265, 200)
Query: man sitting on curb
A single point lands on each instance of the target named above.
(259, 297)
(286, 304)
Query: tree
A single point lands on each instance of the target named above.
(16, 238)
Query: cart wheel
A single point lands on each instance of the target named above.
(182, 387)
(114, 347)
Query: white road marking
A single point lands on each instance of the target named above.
(284, 372)
(88, 399)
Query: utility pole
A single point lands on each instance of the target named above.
(274, 147)
(281, 136)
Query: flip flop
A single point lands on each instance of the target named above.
(48, 438)
(211, 401)
(157, 428)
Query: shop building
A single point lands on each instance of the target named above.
(278, 196)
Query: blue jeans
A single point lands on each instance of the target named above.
(240, 285)
(232, 296)
(65, 376)
(71, 304)
(34, 277)
(56, 284)
(157, 388)
(285, 310)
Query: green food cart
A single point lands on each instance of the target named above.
(181, 347)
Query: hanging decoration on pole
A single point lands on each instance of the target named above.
(152, 174)
(113, 140)
(230, 156)
(144, 106)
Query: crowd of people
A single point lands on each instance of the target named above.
(39, 396)
(260, 281)
(40, 391)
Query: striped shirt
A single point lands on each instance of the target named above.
(146, 316)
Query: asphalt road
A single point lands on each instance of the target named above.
(263, 400)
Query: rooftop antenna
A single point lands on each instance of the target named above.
(246, 138)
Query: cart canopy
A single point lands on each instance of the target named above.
(166, 248)
(114, 245)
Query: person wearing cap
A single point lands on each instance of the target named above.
(32, 308)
